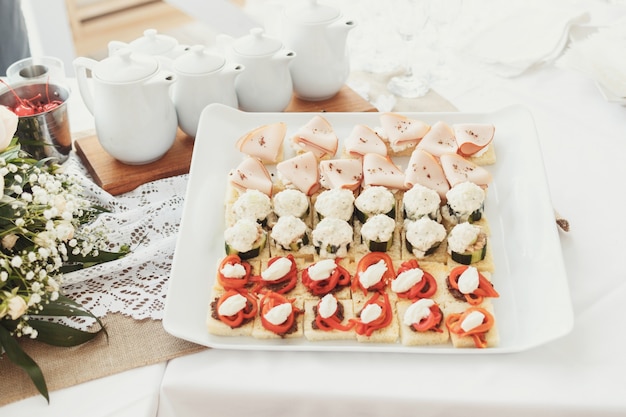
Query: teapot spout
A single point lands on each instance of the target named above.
(232, 70)
(341, 27)
(160, 82)
(284, 56)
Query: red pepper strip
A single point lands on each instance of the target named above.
(453, 322)
(426, 288)
(233, 283)
(271, 300)
(291, 278)
(332, 322)
(485, 288)
(339, 277)
(365, 262)
(431, 322)
(248, 312)
(381, 322)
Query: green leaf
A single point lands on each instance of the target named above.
(20, 358)
(58, 334)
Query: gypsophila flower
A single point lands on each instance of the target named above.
(45, 229)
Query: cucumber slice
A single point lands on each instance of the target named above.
(476, 215)
(254, 252)
(362, 217)
(431, 250)
(468, 258)
(332, 249)
(374, 246)
(298, 244)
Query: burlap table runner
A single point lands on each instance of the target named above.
(130, 344)
(133, 343)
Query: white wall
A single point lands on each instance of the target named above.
(49, 30)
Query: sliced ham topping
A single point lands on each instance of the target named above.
(362, 140)
(402, 130)
(265, 142)
(472, 137)
(301, 171)
(251, 174)
(439, 140)
(424, 169)
(341, 173)
(380, 170)
(459, 169)
(318, 137)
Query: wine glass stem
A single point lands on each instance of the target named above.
(407, 57)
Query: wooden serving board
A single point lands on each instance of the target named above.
(117, 178)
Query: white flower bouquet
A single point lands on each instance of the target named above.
(46, 230)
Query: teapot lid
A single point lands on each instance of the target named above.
(152, 43)
(197, 60)
(125, 66)
(257, 43)
(312, 12)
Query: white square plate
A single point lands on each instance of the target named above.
(534, 305)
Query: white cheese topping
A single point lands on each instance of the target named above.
(332, 233)
(322, 269)
(421, 201)
(375, 200)
(252, 204)
(473, 320)
(423, 234)
(278, 269)
(232, 305)
(291, 202)
(378, 228)
(337, 203)
(468, 281)
(464, 199)
(370, 313)
(417, 311)
(405, 280)
(287, 230)
(279, 314)
(243, 235)
(233, 271)
(461, 236)
(373, 274)
(327, 306)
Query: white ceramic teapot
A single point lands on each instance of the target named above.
(318, 34)
(164, 47)
(129, 98)
(202, 78)
(266, 84)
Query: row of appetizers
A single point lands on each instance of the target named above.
(375, 300)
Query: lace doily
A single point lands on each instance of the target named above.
(146, 218)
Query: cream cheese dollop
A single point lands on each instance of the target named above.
(406, 279)
(417, 311)
(373, 274)
(279, 314)
(233, 271)
(473, 320)
(278, 269)
(468, 281)
(370, 313)
(232, 305)
(322, 269)
(327, 306)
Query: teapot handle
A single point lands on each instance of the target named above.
(81, 65)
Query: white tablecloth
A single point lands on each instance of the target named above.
(584, 373)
